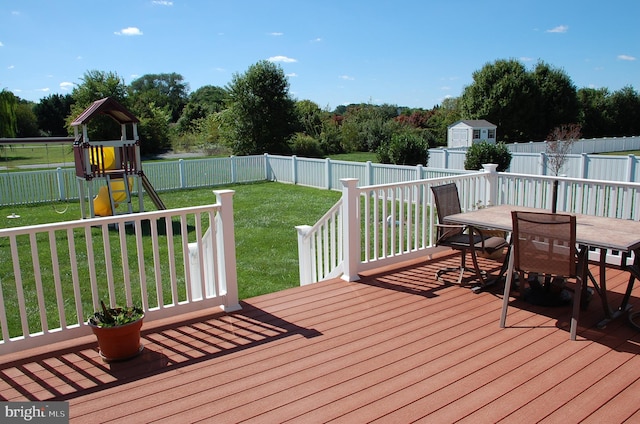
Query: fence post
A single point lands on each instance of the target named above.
(584, 165)
(305, 259)
(351, 228)
(327, 173)
(445, 159)
(234, 169)
(181, 173)
(543, 164)
(418, 172)
(631, 161)
(369, 168)
(294, 169)
(226, 249)
(267, 168)
(60, 177)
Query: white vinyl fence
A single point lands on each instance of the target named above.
(28, 187)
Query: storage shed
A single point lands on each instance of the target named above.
(467, 132)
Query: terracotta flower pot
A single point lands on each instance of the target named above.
(119, 343)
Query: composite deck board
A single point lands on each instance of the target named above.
(396, 346)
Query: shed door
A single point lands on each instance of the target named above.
(459, 137)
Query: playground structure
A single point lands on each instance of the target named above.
(116, 161)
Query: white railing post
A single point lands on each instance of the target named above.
(305, 260)
(631, 160)
(351, 228)
(491, 195)
(226, 243)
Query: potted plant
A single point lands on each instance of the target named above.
(118, 331)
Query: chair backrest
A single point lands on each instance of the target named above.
(447, 203)
(544, 243)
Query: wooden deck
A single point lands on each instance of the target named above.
(395, 347)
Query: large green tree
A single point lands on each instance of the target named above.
(624, 109)
(445, 114)
(311, 118)
(8, 120)
(557, 102)
(162, 90)
(202, 103)
(525, 105)
(260, 117)
(593, 116)
(51, 112)
(503, 93)
(26, 119)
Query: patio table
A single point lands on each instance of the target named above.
(592, 232)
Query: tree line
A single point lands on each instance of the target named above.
(255, 113)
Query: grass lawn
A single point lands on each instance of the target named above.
(356, 157)
(265, 216)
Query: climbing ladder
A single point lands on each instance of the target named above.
(117, 191)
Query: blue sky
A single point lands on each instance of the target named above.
(410, 53)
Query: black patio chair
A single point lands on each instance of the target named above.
(466, 239)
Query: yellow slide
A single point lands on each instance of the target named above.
(102, 203)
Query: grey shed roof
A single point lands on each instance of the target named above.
(474, 123)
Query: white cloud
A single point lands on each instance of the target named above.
(445, 88)
(10, 67)
(129, 31)
(44, 90)
(1, 45)
(346, 77)
(626, 57)
(526, 59)
(276, 34)
(559, 29)
(293, 74)
(284, 59)
(162, 2)
(66, 85)
(316, 40)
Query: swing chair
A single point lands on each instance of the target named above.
(62, 183)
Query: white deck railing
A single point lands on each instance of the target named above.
(62, 271)
(382, 225)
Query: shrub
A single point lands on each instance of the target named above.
(404, 148)
(483, 152)
(306, 146)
